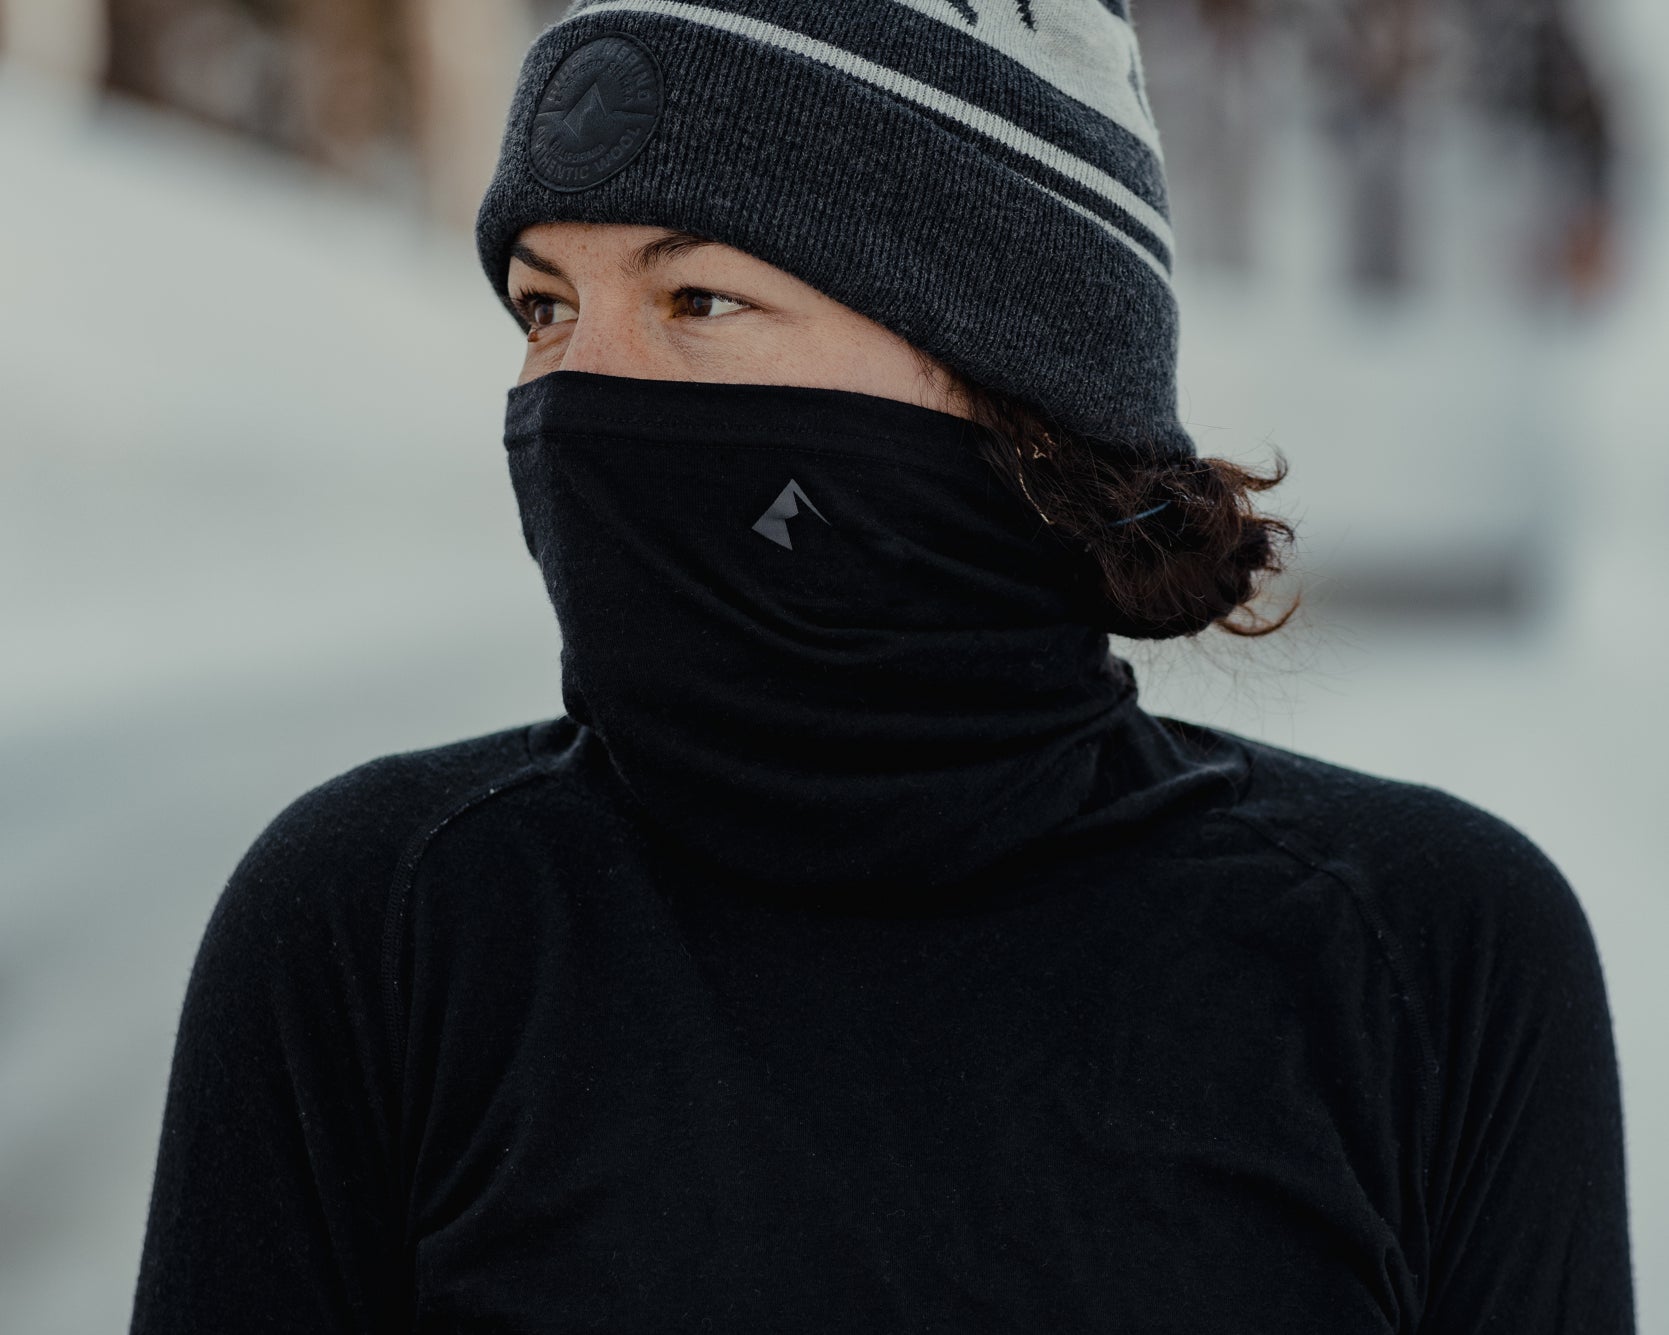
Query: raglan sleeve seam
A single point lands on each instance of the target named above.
(396, 909)
(1385, 940)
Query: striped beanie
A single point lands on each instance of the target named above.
(981, 177)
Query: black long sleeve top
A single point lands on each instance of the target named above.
(1259, 1044)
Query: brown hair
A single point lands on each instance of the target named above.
(1189, 566)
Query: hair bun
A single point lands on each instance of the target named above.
(1202, 554)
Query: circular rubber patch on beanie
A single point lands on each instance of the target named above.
(598, 110)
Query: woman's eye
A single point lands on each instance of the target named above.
(701, 302)
(541, 311)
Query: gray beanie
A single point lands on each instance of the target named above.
(981, 177)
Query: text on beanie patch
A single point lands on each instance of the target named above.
(597, 112)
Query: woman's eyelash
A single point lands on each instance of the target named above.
(524, 302)
(708, 292)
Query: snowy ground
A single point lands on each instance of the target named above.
(255, 529)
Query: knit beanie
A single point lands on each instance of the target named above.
(981, 177)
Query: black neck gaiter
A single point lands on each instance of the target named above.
(820, 641)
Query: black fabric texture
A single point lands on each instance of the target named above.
(1092, 1019)
(819, 638)
(1267, 1046)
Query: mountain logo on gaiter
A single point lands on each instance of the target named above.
(774, 522)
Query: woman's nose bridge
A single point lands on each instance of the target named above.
(607, 334)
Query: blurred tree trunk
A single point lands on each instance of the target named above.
(352, 88)
(1374, 65)
(465, 55)
(1234, 132)
(62, 38)
(1208, 85)
(1370, 54)
(1539, 74)
(229, 62)
(133, 64)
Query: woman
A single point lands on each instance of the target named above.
(855, 953)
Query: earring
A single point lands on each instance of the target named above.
(1021, 474)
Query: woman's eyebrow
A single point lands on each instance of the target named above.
(638, 263)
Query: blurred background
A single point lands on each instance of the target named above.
(255, 526)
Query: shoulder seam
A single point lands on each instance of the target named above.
(1346, 876)
(394, 909)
